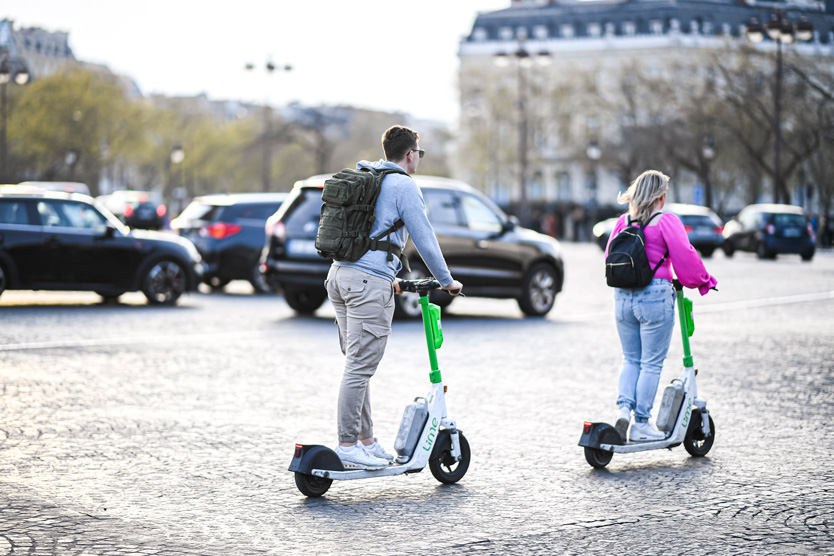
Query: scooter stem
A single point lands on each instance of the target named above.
(685, 317)
(434, 375)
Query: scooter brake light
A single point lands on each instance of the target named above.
(298, 448)
(587, 428)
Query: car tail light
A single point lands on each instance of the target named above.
(298, 448)
(279, 230)
(719, 230)
(587, 427)
(219, 230)
(770, 229)
(688, 229)
(128, 210)
(160, 211)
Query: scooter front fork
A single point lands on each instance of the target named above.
(452, 427)
(701, 405)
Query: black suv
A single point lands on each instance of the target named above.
(228, 230)
(486, 250)
(65, 241)
(769, 230)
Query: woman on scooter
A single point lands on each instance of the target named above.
(646, 316)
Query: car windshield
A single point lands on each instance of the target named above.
(256, 211)
(302, 213)
(696, 220)
(200, 211)
(789, 220)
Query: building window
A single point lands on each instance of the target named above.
(505, 33)
(674, 25)
(656, 27)
(726, 29)
(479, 34)
(566, 30)
(594, 30)
(540, 32)
(609, 30)
(629, 29)
(693, 27)
(563, 192)
(707, 28)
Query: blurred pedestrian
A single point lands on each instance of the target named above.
(362, 294)
(646, 316)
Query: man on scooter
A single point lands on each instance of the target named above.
(362, 294)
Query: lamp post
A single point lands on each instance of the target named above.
(708, 153)
(780, 30)
(594, 154)
(266, 168)
(8, 73)
(524, 60)
(177, 156)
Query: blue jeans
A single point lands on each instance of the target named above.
(645, 321)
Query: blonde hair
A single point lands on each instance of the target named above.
(643, 193)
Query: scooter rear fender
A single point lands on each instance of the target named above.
(592, 434)
(313, 456)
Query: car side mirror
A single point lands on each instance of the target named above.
(511, 223)
(108, 231)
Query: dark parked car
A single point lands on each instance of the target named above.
(137, 209)
(702, 226)
(486, 250)
(228, 230)
(64, 241)
(770, 230)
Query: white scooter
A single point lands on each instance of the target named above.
(683, 416)
(426, 434)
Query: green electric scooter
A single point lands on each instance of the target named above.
(426, 435)
(683, 416)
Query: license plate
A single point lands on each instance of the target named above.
(792, 232)
(304, 247)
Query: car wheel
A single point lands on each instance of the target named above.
(216, 283)
(164, 283)
(407, 305)
(728, 249)
(305, 301)
(539, 290)
(806, 255)
(762, 252)
(707, 251)
(258, 280)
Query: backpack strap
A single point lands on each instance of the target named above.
(666, 256)
(377, 243)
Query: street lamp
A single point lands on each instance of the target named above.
(177, 156)
(266, 170)
(524, 60)
(780, 30)
(708, 153)
(20, 75)
(594, 153)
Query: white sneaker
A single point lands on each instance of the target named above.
(622, 422)
(645, 432)
(358, 457)
(377, 450)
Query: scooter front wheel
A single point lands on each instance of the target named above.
(695, 441)
(312, 486)
(443, 466)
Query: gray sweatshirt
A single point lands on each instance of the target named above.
(400, 198)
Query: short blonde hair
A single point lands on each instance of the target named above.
(643, 193)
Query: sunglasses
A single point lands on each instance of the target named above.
(420, 152)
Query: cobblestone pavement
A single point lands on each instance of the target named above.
(129, 429)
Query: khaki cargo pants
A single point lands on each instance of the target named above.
(364, 306)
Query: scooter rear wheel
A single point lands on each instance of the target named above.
(443, 466)
(695, 441)
(311, 485)
(600, 458)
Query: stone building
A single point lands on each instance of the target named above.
(525, 118)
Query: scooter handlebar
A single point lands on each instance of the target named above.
(418, 286)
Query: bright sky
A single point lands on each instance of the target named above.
(395, 55)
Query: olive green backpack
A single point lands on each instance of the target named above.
(348, 215)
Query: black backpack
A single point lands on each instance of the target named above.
(348, 214)
(627, 265)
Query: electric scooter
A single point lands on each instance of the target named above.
(426, 433)
(683, 416)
